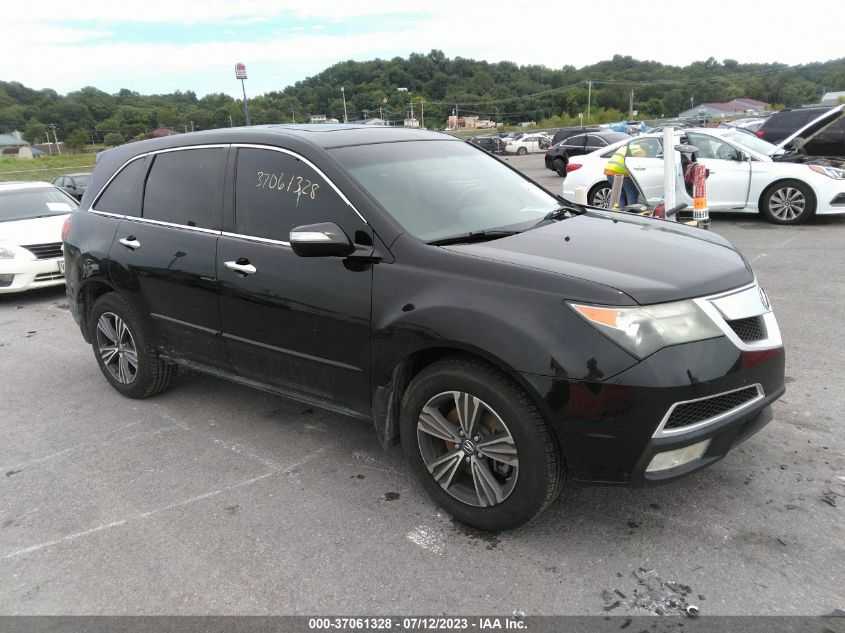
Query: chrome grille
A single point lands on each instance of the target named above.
(53, 250)
(749, 329)
(689, 413)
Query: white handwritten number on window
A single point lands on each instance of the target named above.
(296, 185)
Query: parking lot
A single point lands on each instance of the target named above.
(214, 498)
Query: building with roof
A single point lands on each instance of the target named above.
(735, 107)
(833, 98)
(11, 143)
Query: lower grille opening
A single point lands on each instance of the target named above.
(689, 413)
(750, 329)
(49, 276)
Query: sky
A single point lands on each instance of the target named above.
(160, 46)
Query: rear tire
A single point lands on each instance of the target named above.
(522, 151)
(788, 202)
(560, 166)
(515, 467)
(599, 195)
(123, 350)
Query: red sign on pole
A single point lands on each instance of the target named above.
(240, 71)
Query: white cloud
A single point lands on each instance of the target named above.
(37, 53)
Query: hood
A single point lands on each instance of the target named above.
(34, 231)
(650, 260)
(813, 128)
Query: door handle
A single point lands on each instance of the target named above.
(130, 242)
(244, 268)
(638, 168)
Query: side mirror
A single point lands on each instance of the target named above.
(326, 239)
(743, 157)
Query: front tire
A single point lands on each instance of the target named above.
(599, 195)
(788, 202)
(478, 445)
(123, 350)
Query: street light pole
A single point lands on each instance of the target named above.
(343, 94)
(240, 73)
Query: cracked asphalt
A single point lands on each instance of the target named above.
(216, 499)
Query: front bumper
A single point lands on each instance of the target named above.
(608, 430)
(17, 275)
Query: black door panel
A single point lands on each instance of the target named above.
(171, 277)
(297, 323)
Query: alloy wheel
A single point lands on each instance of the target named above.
(116, 347)
(468, 449)
(787, 203)
(601, 198)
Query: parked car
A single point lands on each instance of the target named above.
(828, 142)
(567, 132)
(492, 143)
(746, 174)
(73, 184)
(750, 124)
(31, 219)
(557, 156)
(528, 144)
(407, 278)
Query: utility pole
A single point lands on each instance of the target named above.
(192, 126)
(589, 97)
(343, 94)
(52, 126)
(422, 107)
(292, 115)
(631, 105)
(231, 123)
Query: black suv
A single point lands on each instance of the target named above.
(493, 143)
(502, 334)
(828, 142)
(557, 156)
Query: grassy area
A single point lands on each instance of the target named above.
(45, 167)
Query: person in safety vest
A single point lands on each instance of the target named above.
(616, 166)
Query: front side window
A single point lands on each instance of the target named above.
(275, 192)
(439, 189)
(184, 187)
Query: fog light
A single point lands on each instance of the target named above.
(678, 457)
(6, 280)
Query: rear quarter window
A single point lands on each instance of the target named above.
(123, 194)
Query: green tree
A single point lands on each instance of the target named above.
(113, 138)
(76, 140)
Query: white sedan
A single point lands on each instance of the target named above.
(528, 143)
(747, 174)
(31, 218)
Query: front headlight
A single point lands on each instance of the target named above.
(644, 330)
(826, 170)
(5, 253)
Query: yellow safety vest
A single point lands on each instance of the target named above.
(616, 164)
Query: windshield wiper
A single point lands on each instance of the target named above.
(472, 236)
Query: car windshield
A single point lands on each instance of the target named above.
(25, 204)
(438, 189)
(751, 142)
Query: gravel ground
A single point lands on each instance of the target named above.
(214, 498)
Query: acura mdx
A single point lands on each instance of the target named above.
(506, 337)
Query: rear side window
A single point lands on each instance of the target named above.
(275, 192)
(184, 187)
(123, 194)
